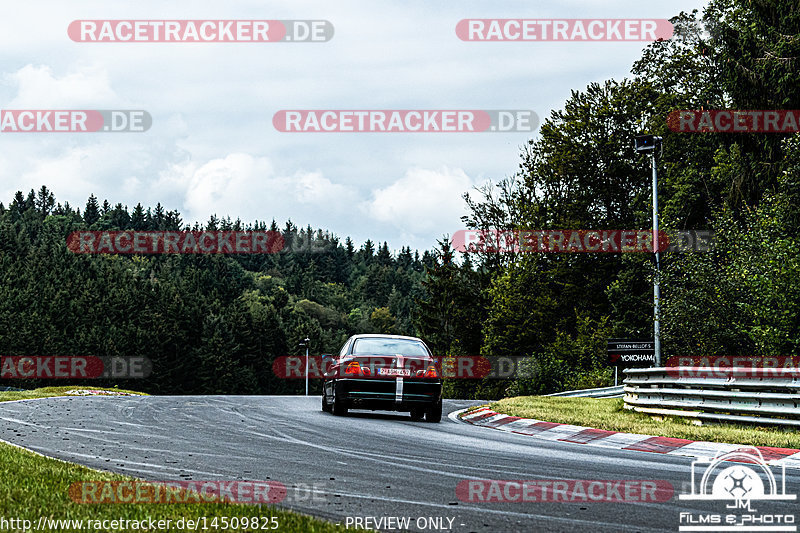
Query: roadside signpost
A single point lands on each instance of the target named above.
(627, 353)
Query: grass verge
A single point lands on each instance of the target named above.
(33, 486)
(51, 392)
(609, 414)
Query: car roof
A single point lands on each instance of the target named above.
(383, 336)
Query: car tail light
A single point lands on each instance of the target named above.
(353, 368)
(431, 372)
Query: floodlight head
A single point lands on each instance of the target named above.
(646, 144)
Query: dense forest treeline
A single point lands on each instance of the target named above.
(213, 324)
(209, 323)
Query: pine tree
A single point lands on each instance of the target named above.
(404, 259)
(120, 219)
(91, 213)
(349, 247)
(45, 201)
(367, 252)
(138, 222)
(30, 200)
(384, 255)
(17, 206)
(159, 217)
(213, 223)
(173, 221)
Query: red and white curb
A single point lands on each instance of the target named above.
(601, 438)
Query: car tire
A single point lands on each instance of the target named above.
(338, 408)
(325, 405)
(434, 412)
(417, 414)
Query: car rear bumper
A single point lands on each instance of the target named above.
(387, 395)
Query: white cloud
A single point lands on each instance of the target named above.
(60, 173)
(246, 186)
(423, 201)
(39, 88)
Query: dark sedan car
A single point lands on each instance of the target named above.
(384, 372)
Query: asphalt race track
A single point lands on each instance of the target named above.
(367, 464)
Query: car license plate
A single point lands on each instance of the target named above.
(398, 372)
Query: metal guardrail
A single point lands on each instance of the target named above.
(603, 392)
(714, 394)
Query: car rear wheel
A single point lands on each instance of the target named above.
(338, 408)
(325, 405)
(434, 412)
(417, 414)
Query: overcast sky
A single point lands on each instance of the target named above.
(212, 148)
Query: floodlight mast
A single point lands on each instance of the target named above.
(648, 144)
(656, 280)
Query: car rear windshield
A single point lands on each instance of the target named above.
(377, 346)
